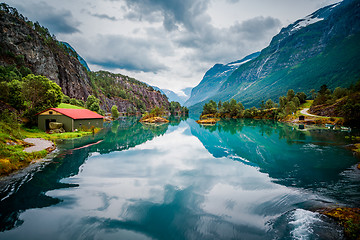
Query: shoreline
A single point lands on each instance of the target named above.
(33, 146)
(39, 144)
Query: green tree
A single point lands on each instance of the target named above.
(185, 111)
(219, 105)
(269, 104)
(93, 103)
(323, 89)
(340, 92)
(290, 94)
(65, 99)
(39, 93)
(324, 94)
(301, 96)
(15, 94)
(313, 94)
(290, 108)
(210, 108)
(262, 105)
(157, 112)
(114, 112)
(174, 107)
(296, 102)
(282, 102)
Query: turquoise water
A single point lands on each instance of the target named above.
(247, 179)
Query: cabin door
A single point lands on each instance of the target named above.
(47, 123)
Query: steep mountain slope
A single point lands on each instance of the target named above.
(214, 78)
(322, 48)
(41, 53)
(128, 94)
(27, 45)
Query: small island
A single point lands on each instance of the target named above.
(208, 119)
(155, 116)
(154, 120)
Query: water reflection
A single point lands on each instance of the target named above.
(117, 136)
(314, 159)
(179, 181)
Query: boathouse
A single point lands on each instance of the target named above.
(70, 118)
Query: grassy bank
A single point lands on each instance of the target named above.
(12, 156)
(37, 133)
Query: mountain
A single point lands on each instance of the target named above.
(128, 94)
(27, 47)
(176, 97)
(322, 48)
(75, 54)
(214, 78)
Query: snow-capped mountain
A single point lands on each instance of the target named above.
(213, 79)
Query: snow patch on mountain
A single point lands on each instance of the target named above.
(306, 22)
(237, 64)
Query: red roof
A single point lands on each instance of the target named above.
(77, 113)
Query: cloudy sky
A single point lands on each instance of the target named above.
(165, 43)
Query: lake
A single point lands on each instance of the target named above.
(239, 179)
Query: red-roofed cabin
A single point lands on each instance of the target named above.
(70, 118)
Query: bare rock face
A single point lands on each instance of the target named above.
(43, 56)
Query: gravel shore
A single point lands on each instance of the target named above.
(39, 144)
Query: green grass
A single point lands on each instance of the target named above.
(69, 106)
(12, 156)
(37, 133)
(307, 104)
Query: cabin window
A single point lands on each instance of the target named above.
(50, 112)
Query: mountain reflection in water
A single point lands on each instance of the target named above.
(239, 179)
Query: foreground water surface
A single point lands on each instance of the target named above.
(247, 179)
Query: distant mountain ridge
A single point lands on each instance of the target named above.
(173, 96)
(214, 78)
(322, 48)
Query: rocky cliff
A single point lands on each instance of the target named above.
(41, 54)
(32, 46)
(128, 94)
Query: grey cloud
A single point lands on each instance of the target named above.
(124, 53)
(174, 12)
(256, 28)
(212, 44)
(103, 16)
(137, 16)
(56, 20)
